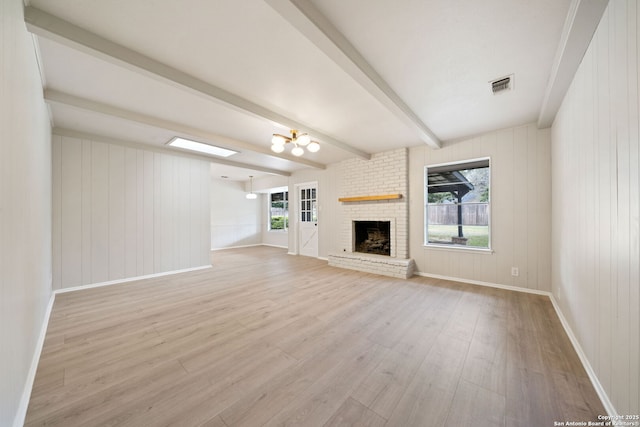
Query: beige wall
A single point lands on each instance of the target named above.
(596, 253)
(250, 228)
(328, 215)
(235, 220)
(121, 212)
(520, 206)
(25, 210)
(520, 209)
(278, 238)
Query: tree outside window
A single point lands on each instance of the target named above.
(279, 211)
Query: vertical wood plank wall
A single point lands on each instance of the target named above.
(25, 210)
(595, 215)
(121, 212)
(520, 209)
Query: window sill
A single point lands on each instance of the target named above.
(453, 248)
(277, 231)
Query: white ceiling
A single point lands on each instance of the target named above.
(431, 59)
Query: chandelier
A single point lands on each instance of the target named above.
(251, 195)
(298, 140)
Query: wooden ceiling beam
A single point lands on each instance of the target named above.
(163, 149)
(49, 26)
(582, 21)
(56, 97)
(307, 19)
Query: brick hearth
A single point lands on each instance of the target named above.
(384, 173)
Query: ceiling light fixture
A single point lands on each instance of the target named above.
(251, 195)
(298, 140)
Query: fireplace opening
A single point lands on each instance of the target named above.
(372, 237)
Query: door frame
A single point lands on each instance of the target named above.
(296, 233)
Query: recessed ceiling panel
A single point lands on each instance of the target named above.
(123, 130)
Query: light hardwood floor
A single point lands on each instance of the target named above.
(265, 338)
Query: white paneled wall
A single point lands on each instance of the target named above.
(25, 212)
(520, 209)
(596, 189)
(235, 220)
(122, 212)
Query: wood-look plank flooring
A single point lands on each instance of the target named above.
(264, 338)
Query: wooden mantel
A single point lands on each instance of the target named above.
(370, 198)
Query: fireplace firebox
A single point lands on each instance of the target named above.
(372, 237)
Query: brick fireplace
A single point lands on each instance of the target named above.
(372, 237)
(383, 178)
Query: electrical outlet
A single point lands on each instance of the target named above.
(515, 271)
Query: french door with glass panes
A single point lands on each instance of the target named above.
(308, 219)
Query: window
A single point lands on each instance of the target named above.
(279, 210)
(308, 208)
(457, 204)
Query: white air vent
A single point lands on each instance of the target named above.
(502, 84)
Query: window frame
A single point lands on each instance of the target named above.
(284, 190)
(452, 246)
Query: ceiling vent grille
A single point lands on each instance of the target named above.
(502, 84)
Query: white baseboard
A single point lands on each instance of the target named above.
(129, 279)
(236, 247)
(488, 284)
(275, 246)
(250, 246)
(602, 394)
(21, 413)
(26, 394)
(318, 257)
